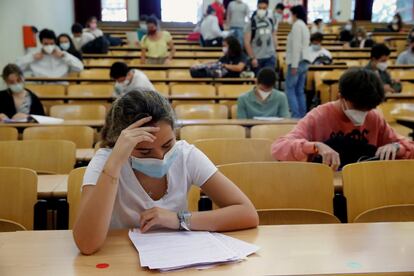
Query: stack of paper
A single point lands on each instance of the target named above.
(268, 118)
(167, 251)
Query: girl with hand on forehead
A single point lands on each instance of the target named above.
(141, 177)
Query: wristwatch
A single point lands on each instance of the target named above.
(184, 219)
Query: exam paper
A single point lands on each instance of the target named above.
(167, 251)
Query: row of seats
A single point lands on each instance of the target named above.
(83, 136)
(372, 193)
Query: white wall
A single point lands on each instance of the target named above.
(133, 8)
(57, 15)
(345, 7)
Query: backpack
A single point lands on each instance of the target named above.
(322, 60)
(254, 24)
(99, 45)
(208, 70)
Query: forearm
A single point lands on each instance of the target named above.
(235, 67)
(249, 49)
(94, 215)
(172, 52)
(225, 219)
(143, 54)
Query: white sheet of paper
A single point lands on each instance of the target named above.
(132, 38)
(168, 251)
(47, 119)
(268, 118)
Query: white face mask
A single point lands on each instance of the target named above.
(279, 17)
(348, 27)
(225, 50)
(49, 49)
(357, 117)
(264, 94)
(316, 47)
(65, 46)
(382, 66)
(121, 86)
(17, 88)
(261, 13)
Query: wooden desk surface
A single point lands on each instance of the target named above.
(84, 154)
(285, 250)
(246, 123)
(46, 184)
(91, 123)
(165, 80)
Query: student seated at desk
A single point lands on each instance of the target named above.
(317, 26)
(317, 54)
(49, 61)
(65, 43)
(234, 60)
(407, 57)
(92, 27)
(16, 102)
(127, 80)
(361, 40)
(80, 38)
(346, 130)
(155, 44)
(264, 100)
(141, 177)
(347, 33)
(379, 64)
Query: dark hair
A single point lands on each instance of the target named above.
(152, 20)
(267, 77)
(362, 87)
(317, 21)
(76, 28)
(90, 19)
(400, 21)
(132, 107)
(263, 1)
(48, 34)
(210, 10)
(299, 12)
(118, 69)
(316, 37)
(72, 47)
(379, 50)
(235, 49)
(280, 6)
(11, 68)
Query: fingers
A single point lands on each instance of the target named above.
(394, 153)
(336, 162)
(137, 132)
(140, 122)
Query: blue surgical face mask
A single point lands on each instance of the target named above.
(156, 168)
(316, 47)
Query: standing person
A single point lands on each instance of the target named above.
(49, 61)
(141, 176)
(210, 30)
(127, 80)
(66, 44)
(278, 15)
(297, 62)
(17, 102)
(237, 11)
(219, 12)
(260, 38)
(155, 44)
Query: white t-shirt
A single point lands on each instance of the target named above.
(139, 82)
(190, 167)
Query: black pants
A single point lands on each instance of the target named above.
(217, 42)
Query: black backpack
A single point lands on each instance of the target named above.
(254, 26)
(99, 45)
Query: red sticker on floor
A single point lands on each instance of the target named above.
(103, 265)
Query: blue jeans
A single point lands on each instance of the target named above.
(295, 88)
(265, 62)
(238, 34)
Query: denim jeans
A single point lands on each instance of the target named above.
(265, 62)
(238, 34)
(295, 88)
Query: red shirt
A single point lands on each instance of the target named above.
(219, 8)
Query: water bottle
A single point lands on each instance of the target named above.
(204, 203)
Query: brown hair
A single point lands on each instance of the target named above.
(11, 69)
(132, 107)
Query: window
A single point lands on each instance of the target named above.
(114, 10)
(383, 10)
(319, 9)
(181, 10)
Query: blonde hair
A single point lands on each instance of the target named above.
(132, 107)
